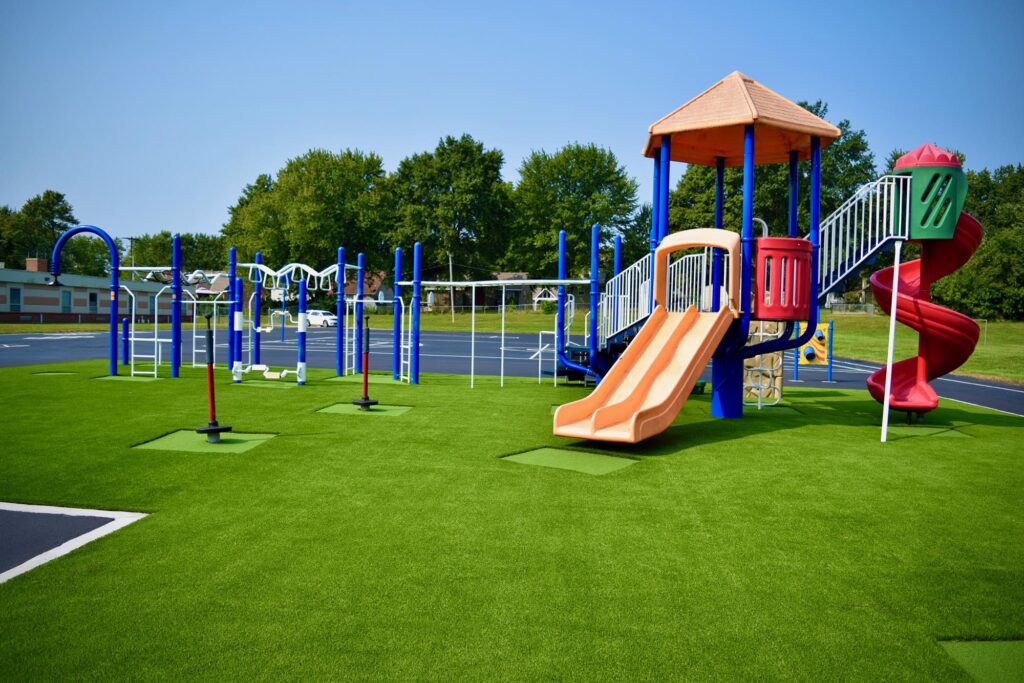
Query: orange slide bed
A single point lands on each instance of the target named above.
(647, 386)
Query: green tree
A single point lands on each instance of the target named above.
(846, 164)
(198, 251)
(570, 190)
(34, 229)
(87, 255)
(636, 237)
(454, 202)
(318, 202)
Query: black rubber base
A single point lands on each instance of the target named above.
(365, 402)
(213, 431)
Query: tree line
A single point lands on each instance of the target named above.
(472, 222)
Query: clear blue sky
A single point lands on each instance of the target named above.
(153, 116)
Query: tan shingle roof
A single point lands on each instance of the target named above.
(711, 125)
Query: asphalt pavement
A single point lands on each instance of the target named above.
(459, 353)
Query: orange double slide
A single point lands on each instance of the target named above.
(647, 386)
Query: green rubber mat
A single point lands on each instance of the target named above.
(989, 661)
(267, 383)
(53, 374)
(129, 378)
(577, 461)
(350, 409)
(358, 379)
(188, 441)
(904, 431)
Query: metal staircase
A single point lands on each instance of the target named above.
(875, 216)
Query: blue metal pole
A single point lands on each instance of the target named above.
(236, 331)
(176, 295)
(831, 329)
(717, 268)
(616, 269)
(665, 159)
(339, 308)
(360, 276)
(560, 341)
(794, 192)
(125, 345)
(232, 272)
(617, 255)
(727, 370)
(595, 292)
(396, 354)
(300, 368)
(656, 203)
(796, 361)
(417, 278)
(257, 312)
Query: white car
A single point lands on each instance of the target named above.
(321, 318)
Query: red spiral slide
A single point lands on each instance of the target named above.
(946, 338)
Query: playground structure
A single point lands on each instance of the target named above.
(672, 319)
(305, 279)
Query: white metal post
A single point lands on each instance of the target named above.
(472, 338)
(502, 380)
(892, 340)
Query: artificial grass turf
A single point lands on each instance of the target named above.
(187, 440)
(998, 661)
(578, 461)
(352, 409)
(783, 545)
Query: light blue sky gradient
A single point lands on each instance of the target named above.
(153, 116)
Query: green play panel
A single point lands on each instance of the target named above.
(129, 378)
(578, 461)
(190, 442)
(350, 409)
(358, 379)
(988, 661)
(53, 374)
(267, 383)
(904, 431)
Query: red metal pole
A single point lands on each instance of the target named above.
(209, 392)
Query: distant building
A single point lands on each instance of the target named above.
(25, 296)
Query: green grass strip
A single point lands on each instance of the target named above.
(267, 383)
(350, 409)
(989, 661)
(191, 442)
(358, 379)
(578, 461)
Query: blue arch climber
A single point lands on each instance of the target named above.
(115, 266)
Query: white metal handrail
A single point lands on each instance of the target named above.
(878, 213)
(626, 300)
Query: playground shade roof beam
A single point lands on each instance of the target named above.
(711, 125)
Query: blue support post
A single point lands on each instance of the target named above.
(595, 292)
(560, 341)
(176, 295)
(360, 276)
(257, 312)
(796, 362)
(717, 267)
(794, 192)
(339, 306)
(125, 345)
(665, 159)
(396, 354)
(414, 313)
(300, 367)
(727, 369)
(236, 331)
(232, 272)
(617, 256)
(655, 203)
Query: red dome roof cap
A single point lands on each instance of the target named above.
(927, 155)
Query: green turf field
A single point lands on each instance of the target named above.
(790, 544)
